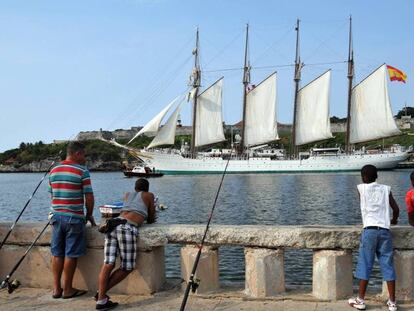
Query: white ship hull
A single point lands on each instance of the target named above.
(171, 164)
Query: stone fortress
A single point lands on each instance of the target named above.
(405, 122)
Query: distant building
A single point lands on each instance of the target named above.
(405, 122)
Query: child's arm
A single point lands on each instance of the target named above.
(411, 218)
(149, 197)
(395, 210)
(410, 211)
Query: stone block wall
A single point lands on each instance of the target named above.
(264, 257)
(35, 270)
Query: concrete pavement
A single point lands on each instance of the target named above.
(41, 299)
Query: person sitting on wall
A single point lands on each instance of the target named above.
(138, 207)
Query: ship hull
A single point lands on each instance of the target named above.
(171, 164)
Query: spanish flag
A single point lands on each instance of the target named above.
(396, 74)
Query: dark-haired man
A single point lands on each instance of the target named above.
(71, 190)
(138, 207)
(376, 200)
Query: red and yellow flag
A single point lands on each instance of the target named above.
(396, 74)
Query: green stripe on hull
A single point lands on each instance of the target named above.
(167, 172)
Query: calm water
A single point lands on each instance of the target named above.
(270, 199)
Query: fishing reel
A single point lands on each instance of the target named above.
(11, 287)
(159, 206)
(194, 285)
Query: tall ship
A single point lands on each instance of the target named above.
(369, 118)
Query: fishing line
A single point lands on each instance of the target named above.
(31, 196)
(28, 201)
(192, 284)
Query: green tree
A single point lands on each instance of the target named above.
(409, 111)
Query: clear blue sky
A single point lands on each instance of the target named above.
(70, 66)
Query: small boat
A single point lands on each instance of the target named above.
(111, 210)
(142, 171)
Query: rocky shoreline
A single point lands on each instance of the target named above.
(43, 166)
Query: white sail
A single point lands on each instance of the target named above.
(209, 119)
(312, 119)
(371, 115)
(166, 135)
(151, 128)
(260, 121)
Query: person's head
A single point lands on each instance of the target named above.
(76, 152)
(142, 185)
(369, 174)
(412, 178)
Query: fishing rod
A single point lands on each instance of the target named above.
(28, 202)
(192, 283)
(11, 287)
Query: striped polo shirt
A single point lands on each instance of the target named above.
(68, 182)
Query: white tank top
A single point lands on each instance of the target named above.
(375, 204)
(135, 204)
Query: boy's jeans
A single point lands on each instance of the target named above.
(376, 242)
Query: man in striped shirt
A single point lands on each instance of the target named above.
(71, 190)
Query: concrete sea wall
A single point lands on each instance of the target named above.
(264, 257)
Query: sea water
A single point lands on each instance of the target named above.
(261, 199)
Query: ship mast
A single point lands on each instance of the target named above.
(196, 82)
(350, 79)
(246, 81)
(298, 67)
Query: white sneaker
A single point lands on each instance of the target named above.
(358, 303)
(392, 306)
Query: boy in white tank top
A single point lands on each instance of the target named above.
(376, 200)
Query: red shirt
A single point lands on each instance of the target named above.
(409, 200)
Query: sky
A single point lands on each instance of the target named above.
(71, 66)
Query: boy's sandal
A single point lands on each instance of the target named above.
(76, 293)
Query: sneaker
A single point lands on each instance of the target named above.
(392, 306)
(107, 306)
(97, 294)
(357, 303)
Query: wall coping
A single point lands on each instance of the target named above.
(300, 237)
